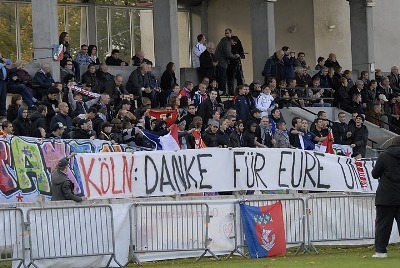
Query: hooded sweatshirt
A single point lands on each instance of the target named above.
(387, 170)
(22, 126)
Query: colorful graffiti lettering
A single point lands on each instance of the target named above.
(26, 164)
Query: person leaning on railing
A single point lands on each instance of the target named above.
(62, 188)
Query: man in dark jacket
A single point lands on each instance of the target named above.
(138, 84)
(387, 201)
(115, 89)
(359, 135)
(82, 132)
(206, 108)
(235, 70)
(44, 80)
(223, 54)
(210, 135)
(274, 67)
(62, 117)
(340, 130)
(38, 120)
(61, 186)
(208, 62)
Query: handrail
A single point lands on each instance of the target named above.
(378, 119)
(331, 122)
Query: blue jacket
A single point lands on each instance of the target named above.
(274, 68)
(43, 80)
(243, 108)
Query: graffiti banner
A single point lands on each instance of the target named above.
(26, 164)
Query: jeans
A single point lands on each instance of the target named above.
(21, 89)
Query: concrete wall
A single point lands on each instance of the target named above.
(298, 16)
(333, 13)
(234, 14)
(147, 37)
(387, 34)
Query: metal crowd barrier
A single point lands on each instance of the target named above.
(12, 240)
(294, 211)
(64, 232)
(340, 217)
(167, 227)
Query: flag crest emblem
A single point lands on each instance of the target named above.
(264, 230)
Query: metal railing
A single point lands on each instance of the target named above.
(167, 227)
(12, 240)
(63, 232)
(294, 210)
(340, 217)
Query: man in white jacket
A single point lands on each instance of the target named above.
(265, 101)
(198, 48)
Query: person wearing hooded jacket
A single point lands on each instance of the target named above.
(38, 120)
(62, 188)
(22, 125)
(387, 200)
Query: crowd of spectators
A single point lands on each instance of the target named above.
(109, 108)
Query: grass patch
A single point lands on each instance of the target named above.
(328, 257)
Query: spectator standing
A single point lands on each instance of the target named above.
(288, 60)
(281, 136)
(235, 70)
(62, 117)
(22, 125)
(62, 188)
(340, 130)
(208, 63)
(387, 201)
(92, 51)
(168, 79)
(197, 50)
(359, 134)
(274, 67)
(264, 134)
(38, 120)
(83, 57)
(223, 54)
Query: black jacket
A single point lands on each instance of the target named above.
(62, 188)
(210, 139)
(37, 120)
(340, 133)
(359, 138)
(223, 139)
(136, 81)
(81, 134)
(207, 68)
(22, 127)
(387, 170)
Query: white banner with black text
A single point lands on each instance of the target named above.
(159, 173)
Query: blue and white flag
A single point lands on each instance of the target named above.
(166, 142)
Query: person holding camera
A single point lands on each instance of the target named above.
(235, 70)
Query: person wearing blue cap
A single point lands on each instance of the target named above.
(62, 188)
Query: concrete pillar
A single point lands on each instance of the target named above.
(45, 33)
(362, 35)
(92, 25)
(262, 34)
(204, 17)
(166, 38)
